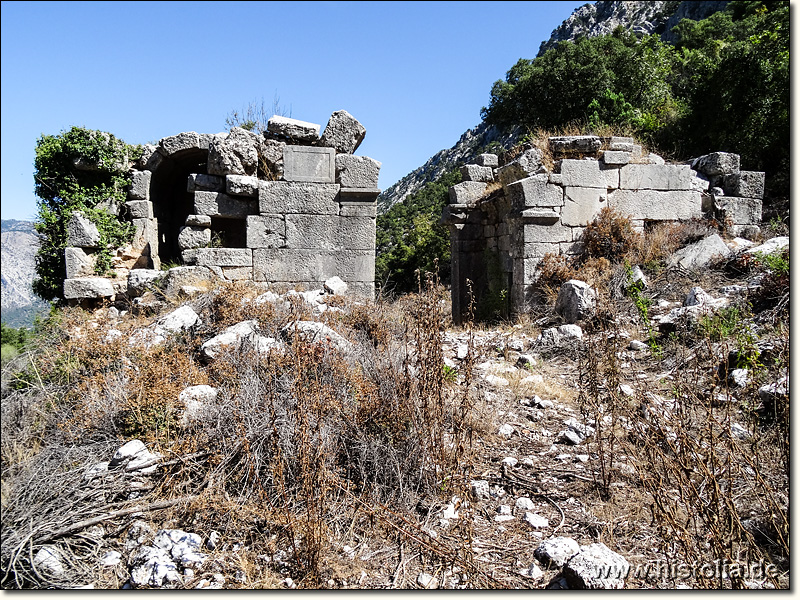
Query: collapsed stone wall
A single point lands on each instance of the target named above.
(289, 207)
(504, 219)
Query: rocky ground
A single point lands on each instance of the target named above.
(562, 455)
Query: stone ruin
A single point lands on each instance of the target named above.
(504, 219)
(289, 207)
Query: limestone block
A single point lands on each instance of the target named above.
(487, 160)
(596, 567)
(234, 154)
(467, 192)
(181, 277)
(584, 144)
(216, 204)
(357, 171)
(88, 287)
(301, 131)
(655, 177)
(717, 163)
(738, 211)
(309, 164)
(356, 233)
(534, 233)
(182, 142)
(81, 232)
(539, 249)
(588, 173)
(241, 185)
(699, 255)
(140, 209)
(358, 209)
(654, 205)
(271, 151)
(535, 191)
(541, 216)
(266, 231)
(140, 185)
(530, 163)
(365, 195)
(476, 173)
(145, 234)
(148, 152)
(576, 300)
(286, 264)
(200, 182)
(287, 197)
(224, 257)
(620, 144)
(198, 220)
(616, 157)
(582, 205)
(700, 182)
(343, 133)
(322, 232)
(194, 237)
(140, 279)
(747, 184)
(233, 273)
(79, 264)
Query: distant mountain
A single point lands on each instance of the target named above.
(18, 246)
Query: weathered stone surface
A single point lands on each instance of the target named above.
(195, 400)
(198, 220)
(700, 254)
(534, 191)
(314, 332)
(301, 131)
(771, 246)
(180, 319)
(81, 232)
(319, 231)
(747, 184)
(139, 280)
(234, 154)
(584, 144)
(314, 266)
(487, 160)
(241, 185)
(237, 337)
(287, 197)
(582, 205)
(717, 163)
(79, 264)
(588, 173)
(616, 157)
(655, 177)
(529, 163)
(620, 144)
(271, 151)
(358, 209)
(476, 173)
(181, 277)
(189, 140)
(148, 152)
(738, 211)
(576, 301)
(309, 164)
(140, 209)
(343, 132)
(555, 552)
(232, 273)
(140, 185)
(88, 287)
(266, 231)
(357, 171)
(224, 257)
(557, 336)
(551, 234)
(467, 192)
(217, 204)
(335, 285)
(596, 567)
(194, 237)
(50, 561)
(657, 205)
(200, 182)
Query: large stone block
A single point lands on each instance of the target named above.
(287, 197)
(356, 233)
(467, 192)
(655, 177)
(529, 163)
(88, 287)
(476, 173)
(620, 144)
(198, 220)
(194, 237)
(546, 233)
(655, 205)
(215, 204)
(717, 163)
(242, 185)
(178, 278)
(266, 231)
(616, 157)
(140, 209)
(81, 232)
(234, 154)
(588, 173)
(233, 273)
(582, 205)
(287, 264)
(343, 133)
(535, 191)
(224, 257)
(746, 184)
(738, 211)
(79, 263)
(145, 235)
(309, 232)
(487, 160)
(140, 185)
(583, 144)
(539, 249)
(309, 164)
(200, 182)
(541, 216)
(301, 131)
(175, 144)
(357, 171)
(358, 209)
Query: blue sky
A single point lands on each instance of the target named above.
(416, 74)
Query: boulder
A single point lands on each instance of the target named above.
(700, 254)
(81, 232)
(529, 163)
(555, 336)
(335, 285)
(555, 552)
(576, 301)
(180, 319)
(596, 567)
(139, 280)
(312, 332)
(717, 163)
(234, 154)
(136, 454)
(194, 237)
(234, 337)
(293, 129)
(343, 132)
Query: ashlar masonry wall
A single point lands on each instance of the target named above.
(504, 219)
(289, 207)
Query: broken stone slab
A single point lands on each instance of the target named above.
(81, 232)
(486, 160)
(655, 177)
(79, 263)
(619, 143)
(266, 231)
(139, 209)
(654, 159)
(529, 163)
(271, 152)
(234, 154)
(476, 173)
(336, 286)
(657, 205)
(195, 400)
(182, 142)
(200, 182)
(198, 220)
(771, 246)
(181, 319)
(541, 216)
(241, 185)
(215, 204)
(135, 455)
(467, 192)
(357, 171)
(88, 287)
(738, 211)
(596, 567)
(289, 197)
(616, 157)
(700, 254)
(556, 336)
(534, 192)
(309, 164)
(312, 332)
(555, 552)
(139, 280)
(294, 129)
(576, 301)
(343, 133)
(140, 185)
(180, 277)
(745, 184)
(717, 163)
(582, 205)
(588, 173)
(235, 337)
(584, 144)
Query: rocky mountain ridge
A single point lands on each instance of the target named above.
(18, 249)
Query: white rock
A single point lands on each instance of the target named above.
(195, 399)
(596, 567)
(111, 558)
(506, 431)
(523, 504)
(509, 461)
(556, 551)
(532, 572)
(335, 285)
(770, 246)
(179, 319)
(536, 521)
(427, 581)
(48, 560)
